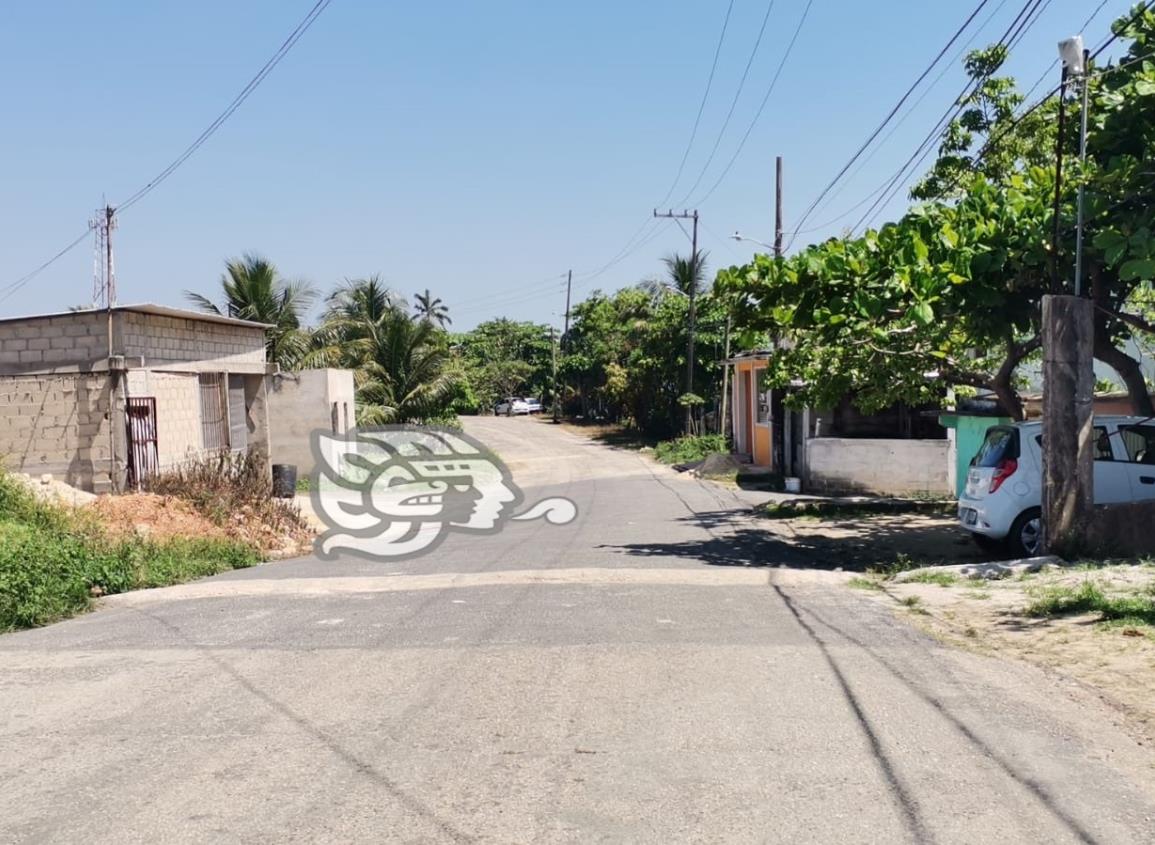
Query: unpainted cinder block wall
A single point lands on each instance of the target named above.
(56, 424)
(303, 402)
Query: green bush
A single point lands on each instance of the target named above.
(53, 561)
(690, 448)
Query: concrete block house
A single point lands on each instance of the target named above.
(103, 398)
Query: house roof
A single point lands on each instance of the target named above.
(750, 355)
(148, 308)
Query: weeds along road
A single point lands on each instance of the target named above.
(645, 673)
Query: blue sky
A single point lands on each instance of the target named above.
(478, 150)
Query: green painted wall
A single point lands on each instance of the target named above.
(969, 434)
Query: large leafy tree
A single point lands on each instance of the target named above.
(951, 293)
(254, 290)
(505, 357)
(626, 353)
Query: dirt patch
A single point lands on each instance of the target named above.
(1114, 658)
(165, 517)
(159, 517)
(863, 541)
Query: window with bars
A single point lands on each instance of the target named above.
(214, 414)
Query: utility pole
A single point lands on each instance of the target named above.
(688, 215)
(568, 286)
(778, 207)
(556, 391)
(1082, 183)
(1068, 380)
(778, 408)
(1056, 279)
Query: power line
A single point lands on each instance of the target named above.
(894, 111)
(10, 289)
(1014, 124)
(1027, 17)
(761, 107)
(702, 104)
(265, 70)
(947, 67)
(733, 104)
(252, 85)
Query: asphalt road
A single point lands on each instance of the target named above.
(646, 673)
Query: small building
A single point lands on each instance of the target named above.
(899, 450)
(103, 398)
(307, 401)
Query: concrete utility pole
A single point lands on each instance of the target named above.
(556, 391)
(1068, 380)
(691, 293)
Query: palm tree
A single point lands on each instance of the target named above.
(404, 373)
(401, 364)
(687, 274)
(431, 309)
(254, 290)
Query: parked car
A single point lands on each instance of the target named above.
(1001, 505)
(511, 407)
(534, 405)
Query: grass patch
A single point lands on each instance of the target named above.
(861, 583)
(53, 562)
(913, 604)
(977, 595)
(690, 448)
(1130, 609)
(942, 579)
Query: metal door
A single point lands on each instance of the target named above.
(140, 419)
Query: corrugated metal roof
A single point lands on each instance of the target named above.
(149, 308)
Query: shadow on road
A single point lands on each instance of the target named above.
(853, 545)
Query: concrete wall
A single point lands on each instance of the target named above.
(1123, 530)
(304, 402)
(196, 345)
(884, 467)
(56, 424)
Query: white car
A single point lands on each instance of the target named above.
(511, 407)
(1001, 505)
(534, 405)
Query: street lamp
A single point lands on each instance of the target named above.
(740, 237)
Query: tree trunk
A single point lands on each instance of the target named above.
(1124, 365)
(1131, 373)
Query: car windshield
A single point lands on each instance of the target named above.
(1000, 444)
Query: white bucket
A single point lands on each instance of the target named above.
(793, 485)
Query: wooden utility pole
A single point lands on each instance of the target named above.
(568, 287)
(778, 207)
(725, 379)
(778, 409)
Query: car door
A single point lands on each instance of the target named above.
(1112, 475)
(1138, 442)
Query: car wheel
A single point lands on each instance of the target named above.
(989, 544)
(1026, 535)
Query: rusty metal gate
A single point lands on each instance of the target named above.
(140, 417)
